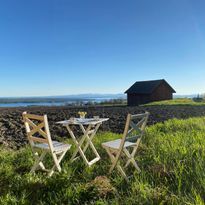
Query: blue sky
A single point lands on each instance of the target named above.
(57, 47)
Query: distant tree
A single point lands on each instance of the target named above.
(199, 98)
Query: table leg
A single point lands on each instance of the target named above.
(78, 144)
(90, 139)
(86, 133)
(89, 142)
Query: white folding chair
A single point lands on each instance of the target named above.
(39, 137)
(128, 145)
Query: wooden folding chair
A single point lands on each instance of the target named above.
(128, 145)
(39, 137)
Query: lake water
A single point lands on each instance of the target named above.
(31, 104)
(63, 103)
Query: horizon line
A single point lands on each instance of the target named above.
(81, 94)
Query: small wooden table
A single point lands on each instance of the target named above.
(89, 127)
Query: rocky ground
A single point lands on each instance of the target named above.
(12, 133)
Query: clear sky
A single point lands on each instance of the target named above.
(57, 47)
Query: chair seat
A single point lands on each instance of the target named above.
(58, 146)
(115, 144)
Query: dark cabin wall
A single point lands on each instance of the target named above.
(137, 99)
(163, 92)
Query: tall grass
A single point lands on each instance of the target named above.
(178, 102)
(171, 156)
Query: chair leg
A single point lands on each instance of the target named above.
(131, 159)
(55, 166)
(41, 165)
(38, 162)
(135, 165)
(57, 162)
(113, 158)
(122, 172)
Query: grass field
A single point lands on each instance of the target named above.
(179, 101)
(171, 156)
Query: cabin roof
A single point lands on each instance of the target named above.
(147, 87)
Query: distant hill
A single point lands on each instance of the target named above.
(63, 98)
(91, 95)
(185, 96)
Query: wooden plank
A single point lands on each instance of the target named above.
(139, 116)
(34, 117)
(34, 126)
(37, 139)
(37, 128)
(93, 161)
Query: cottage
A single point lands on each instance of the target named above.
(149, 91)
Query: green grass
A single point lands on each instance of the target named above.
(179, 101)
(171, 156)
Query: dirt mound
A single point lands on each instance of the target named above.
(12, 133)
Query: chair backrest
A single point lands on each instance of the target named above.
(134, 129)
(37, 129)
(137, 124)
